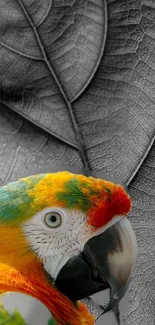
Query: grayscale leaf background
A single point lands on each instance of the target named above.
(96, 59)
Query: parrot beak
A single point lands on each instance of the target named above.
(106, 262)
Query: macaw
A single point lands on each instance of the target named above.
(64, 237)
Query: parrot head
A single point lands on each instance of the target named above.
(64, 237)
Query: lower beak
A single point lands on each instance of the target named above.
(106, 262)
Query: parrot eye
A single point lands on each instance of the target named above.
(53, 219)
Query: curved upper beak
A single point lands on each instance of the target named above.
(106, 261)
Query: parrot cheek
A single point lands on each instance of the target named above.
(106, 261)
(71, 249)
(53, 264)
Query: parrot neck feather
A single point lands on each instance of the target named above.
(21, 271)
(36, 285)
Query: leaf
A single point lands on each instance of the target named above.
(115, 115)
(142, 217)
(49, 51)
(24, 149)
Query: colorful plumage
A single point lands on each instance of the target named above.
(45, 221)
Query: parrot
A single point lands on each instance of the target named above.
(64, 237)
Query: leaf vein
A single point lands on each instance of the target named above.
(80, 144)
(20, 53)
(46, 14)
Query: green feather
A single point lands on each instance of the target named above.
(52, 322)
(10, 319)
(15, 318)
(73, 196)
(14, 199)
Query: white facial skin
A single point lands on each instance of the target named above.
(55, 242)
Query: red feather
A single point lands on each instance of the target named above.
(105, 208)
